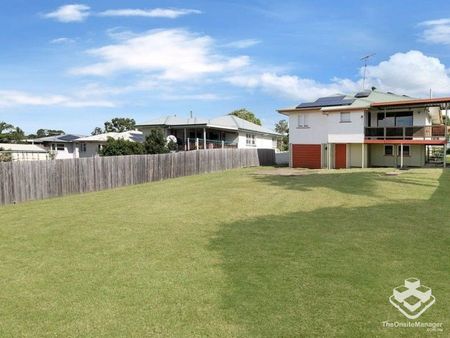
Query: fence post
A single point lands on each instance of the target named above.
(32, 180)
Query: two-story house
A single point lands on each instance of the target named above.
(369, 129)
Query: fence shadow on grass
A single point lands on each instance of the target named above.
(330, 271)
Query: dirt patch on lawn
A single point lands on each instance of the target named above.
(286, 172)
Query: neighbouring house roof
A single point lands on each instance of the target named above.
(63, 138)
(412, 102)
(227, 122)
(173, 120)
(22, 148)
(361, 100)
(135, 136)
(234, 122)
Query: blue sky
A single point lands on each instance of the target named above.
(74, 65)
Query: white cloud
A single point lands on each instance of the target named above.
(192, 97)
(10, 98)
(70, 13)
(173, 54)
(245, 43)
(120, 33)
(412, 73)
(170, 13)
(436, 31)
(291, 86)
(61, 41)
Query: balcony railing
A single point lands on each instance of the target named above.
(197, 143)
(434, 132)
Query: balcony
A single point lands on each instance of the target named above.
(197, 143)
(424, 133)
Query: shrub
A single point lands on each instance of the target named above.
(121, 147)
(5, 156)
(156, 143)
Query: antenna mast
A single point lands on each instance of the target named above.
(365, 58)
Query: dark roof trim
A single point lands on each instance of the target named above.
(172, 125)
(412, 102)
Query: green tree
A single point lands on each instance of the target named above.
(246, 115)
(97, 131)
(10, 134)
(121, 147)
(172, 146)
(156, 143)
(48, 132)
(5, 130)
(282, 127)
(5, 126)
(17, 135)
(119, 125)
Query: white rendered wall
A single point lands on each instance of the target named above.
(315, 133)
(261, 141)
(324, 128)
(346, 132)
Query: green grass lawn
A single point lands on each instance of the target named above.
(230, 254)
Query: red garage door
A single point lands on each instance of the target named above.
(341, 156)
(306, 156)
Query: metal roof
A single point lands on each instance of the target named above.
(63, 138)
(173, 120)
(361, 100)
(228, 122)
(411, 102)
(22, 148)
(134, 135)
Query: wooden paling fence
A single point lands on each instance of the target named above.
(34, 180)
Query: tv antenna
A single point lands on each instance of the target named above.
(365, 58)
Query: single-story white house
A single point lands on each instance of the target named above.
(24, 152)
(91, 145)
(75, 146)
(226, 131)
(61, 146)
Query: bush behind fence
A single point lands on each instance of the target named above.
(34, 180)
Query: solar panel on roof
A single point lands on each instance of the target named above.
(364, 93)
(68, 137)
(327, 102)
(137, 137)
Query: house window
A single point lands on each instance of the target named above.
(405, 151)
(346, 118)
(60, 146)
(388, 150)
(83, 147)
(302, 121)
(250, 139)
(398, 119)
